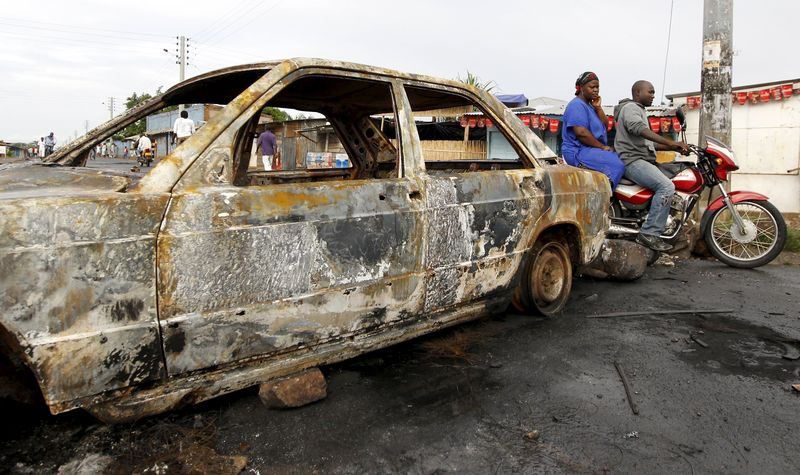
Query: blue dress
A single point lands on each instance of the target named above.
(581, 114)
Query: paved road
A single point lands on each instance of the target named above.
(507, 394)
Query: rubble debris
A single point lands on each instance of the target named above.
(532, 435)
(796, 387)
(86, 465)
(665, 260)
(624, 379)
(657, 312)
(792, 353)
(631, 435)
(698, 340)
(618, 259)
(296, 390)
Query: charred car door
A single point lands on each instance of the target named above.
(255, 264)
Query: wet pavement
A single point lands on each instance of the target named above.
(506, 394)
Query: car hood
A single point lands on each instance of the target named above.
(34, 180)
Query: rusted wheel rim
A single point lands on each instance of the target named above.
(549, 276)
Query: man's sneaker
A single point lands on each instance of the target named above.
(653, 242)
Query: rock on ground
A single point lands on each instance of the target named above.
(294, 391)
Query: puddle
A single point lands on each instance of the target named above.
(741, 348)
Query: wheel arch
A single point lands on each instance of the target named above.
(17, 377)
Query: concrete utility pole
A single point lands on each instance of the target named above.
(715, 83)
(111, 107)
(183, 58)
(182, 62)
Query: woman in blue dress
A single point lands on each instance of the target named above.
(584, 136)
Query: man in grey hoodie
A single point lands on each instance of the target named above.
(636, 145)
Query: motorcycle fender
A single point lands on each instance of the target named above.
(736, 196)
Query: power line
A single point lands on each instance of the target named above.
(234, 21)
(217, 21)
(254, 18)
(666, 56)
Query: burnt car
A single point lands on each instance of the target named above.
(131, 293)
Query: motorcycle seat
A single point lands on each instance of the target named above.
(625, 181)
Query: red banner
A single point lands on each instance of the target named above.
(741, 98)
(786, 89)
(655, 123)
(472, 122)
(554, 125)
(665, 123)
(526, 119)
(463, 121)
(776, 93)
(543, 122)
(676, 124)
(488, 122)
(610, 123)
(763, 95)
(753, 97)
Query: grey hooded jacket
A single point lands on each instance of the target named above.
(631, 120)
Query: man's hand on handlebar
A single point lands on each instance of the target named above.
(681, 147)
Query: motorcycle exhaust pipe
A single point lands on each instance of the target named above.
(617, 229)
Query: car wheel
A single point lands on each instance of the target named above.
(547, 280)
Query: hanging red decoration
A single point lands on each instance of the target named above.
(776, 93)
(488, 122)
(610, 123)
(473, 122)
(786, 89)
(655, 123)
(753, 97)
(693, 102)
(554, 125)
(763, 95)
(543, 122)
(481, 122)
(463, 121)
(535, 121)
(741, 98)
(526, 119)
(676, 124)
(665, 123)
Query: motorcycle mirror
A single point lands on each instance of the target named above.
(680, 113)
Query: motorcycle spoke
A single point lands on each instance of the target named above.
(757, 220)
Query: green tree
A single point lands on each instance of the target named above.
(474, 80)
(277, 114)
(138, 127)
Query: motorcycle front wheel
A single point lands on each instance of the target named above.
(761, 240)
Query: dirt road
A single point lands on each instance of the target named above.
(507, 394)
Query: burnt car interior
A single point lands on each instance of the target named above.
(470, 155)
(347, 104)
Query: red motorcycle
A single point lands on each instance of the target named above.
(741, 228)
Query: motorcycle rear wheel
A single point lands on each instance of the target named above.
(760, 242)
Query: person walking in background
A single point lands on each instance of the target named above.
(268, 144)
(585, 139)
(183, 128)
(40, 151)
(125, 152)
(49, 144)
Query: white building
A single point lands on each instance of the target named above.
(765, 136)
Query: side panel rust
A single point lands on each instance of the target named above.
(78, 290)
(480, 225)
(247, 272)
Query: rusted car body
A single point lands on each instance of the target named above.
(128, 294)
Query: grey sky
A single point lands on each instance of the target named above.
(60, 61)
